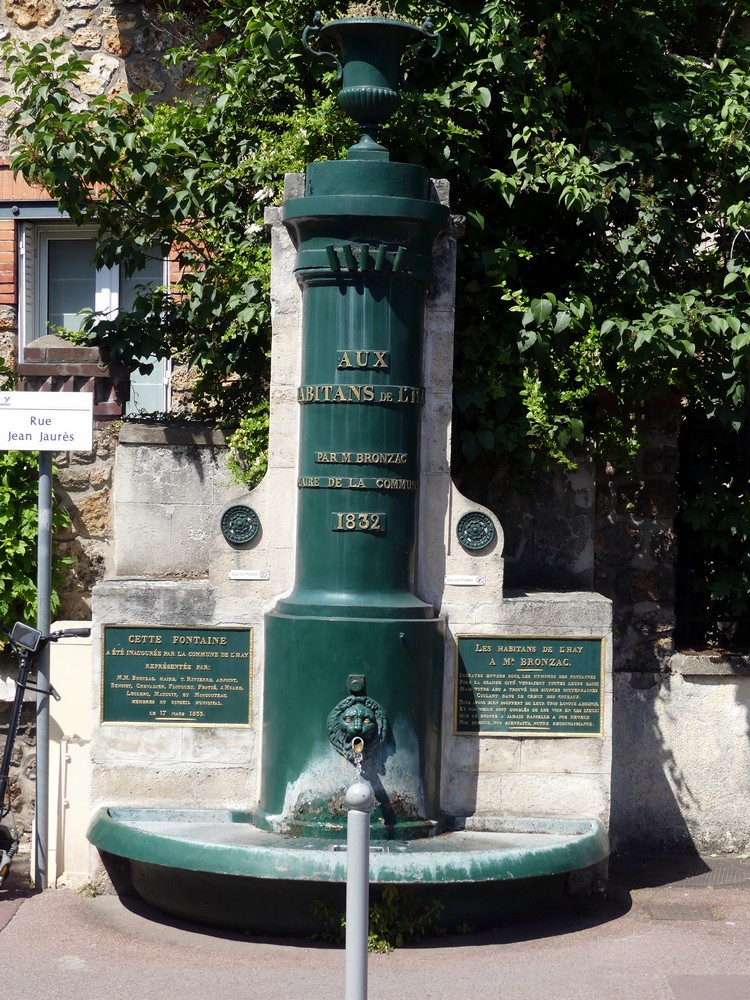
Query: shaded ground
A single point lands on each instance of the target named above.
(668, 930)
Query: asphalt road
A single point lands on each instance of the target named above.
(656, 937)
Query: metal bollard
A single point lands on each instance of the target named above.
(359, 799)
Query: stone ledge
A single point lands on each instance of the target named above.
(710, 664)
(584, 610)
(197, 434)
(54, 349)
(66, 369)
(153, 601)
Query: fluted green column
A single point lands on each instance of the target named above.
(353, 625)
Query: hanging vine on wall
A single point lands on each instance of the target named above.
(18, 537)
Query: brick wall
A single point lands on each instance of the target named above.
(7, 261)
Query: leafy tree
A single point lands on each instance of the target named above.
(190, 180)
(599, 151)
(18, 538)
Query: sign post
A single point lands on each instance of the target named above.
(45, 422)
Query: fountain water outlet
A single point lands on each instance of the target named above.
(355, 620)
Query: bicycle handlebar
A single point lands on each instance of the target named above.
(70, 633)
(28, 638)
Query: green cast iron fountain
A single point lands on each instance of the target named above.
(353, 637)
(353, 657)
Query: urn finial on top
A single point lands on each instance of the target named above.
(367, 52)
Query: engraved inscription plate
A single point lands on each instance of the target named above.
(184, 676)
(518, 686)
(358, 521)
(361, 393)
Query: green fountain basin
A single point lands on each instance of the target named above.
(216, 867)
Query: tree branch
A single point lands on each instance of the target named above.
(725, 31)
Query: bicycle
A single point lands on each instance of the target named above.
(26, 643)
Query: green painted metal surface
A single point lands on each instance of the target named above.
(353, 632)
(364, 233)
(361, 390)
(402, 661)
(485, 849)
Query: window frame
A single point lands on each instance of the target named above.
(106, 289)
(34, 237)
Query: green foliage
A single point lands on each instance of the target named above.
(18, 536)
(713, 575)
(400, 918)
(192, 179)
(19, 503)
(396, 919)
(7, 376)
(248, 454)
(600, 153)
(90, 889)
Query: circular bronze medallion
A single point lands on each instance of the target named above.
(475, 530)
(239, 524)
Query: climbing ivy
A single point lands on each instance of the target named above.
(18, 537)
(599, 151)
(19, 503)
(248, 453)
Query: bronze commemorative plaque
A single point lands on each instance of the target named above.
(186, 676)
(520, 686)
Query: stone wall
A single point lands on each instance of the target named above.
(636, 545)
(83, 485)
(83, 480)
(600, 528)
(124, 42)
(681, 720)
(547, 519)
(22, 766)
(681, 753)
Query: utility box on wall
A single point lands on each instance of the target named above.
(70, 759)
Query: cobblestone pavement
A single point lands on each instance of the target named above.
(675, 930)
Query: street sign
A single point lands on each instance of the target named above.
(46, 421)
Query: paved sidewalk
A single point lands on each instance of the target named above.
(668, 931)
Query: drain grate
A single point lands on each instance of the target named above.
(689, 872)
(722, 872)
(678, 911)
